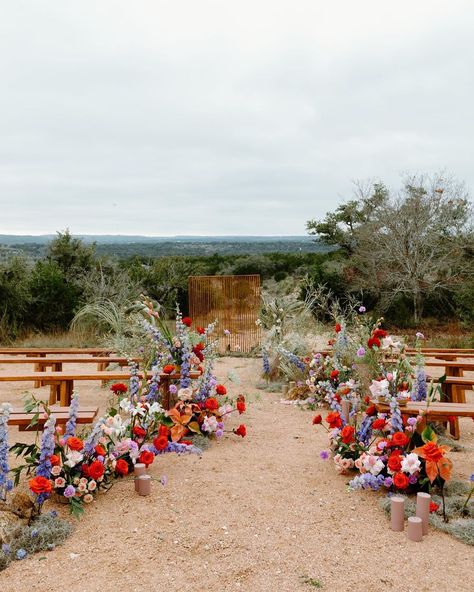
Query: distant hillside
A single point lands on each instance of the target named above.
(146, 246)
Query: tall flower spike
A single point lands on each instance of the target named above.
(396, 423)
(73, 411)
(134, 384)
(5, 483)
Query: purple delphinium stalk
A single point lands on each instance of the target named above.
(293, 359)
(73, 410)
(365, 431)
(204, 390)
(367, 481)
(420, 385)
(265, 363)
(134, 383)
(178, 448)
(396, 423)
(153, 388)
(5, 483)
(93, 437)
(46, 451)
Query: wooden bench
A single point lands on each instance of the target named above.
(442, 412)
(23, 420)
(43, 351)
(62, 383)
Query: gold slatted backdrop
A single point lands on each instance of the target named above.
(232, 300)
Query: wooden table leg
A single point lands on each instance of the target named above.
(63, 392)
(53, 394)
(165, 393)
(454, 429)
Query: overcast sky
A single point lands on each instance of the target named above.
(217, 117)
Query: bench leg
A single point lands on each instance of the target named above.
(53, 394)
(454, 429)
(63, 392)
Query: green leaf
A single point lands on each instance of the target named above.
(429, 435)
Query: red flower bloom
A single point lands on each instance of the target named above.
(334, 420)
(241, 407)
(40, 485)
(432, 452)
(198, 353)
(433, 507)
(163, 431)
(121, 467)
(169, 369)
(373, 342)
(96, 470)
(400, 439)
(379, 333)
(100, 450)
(118, 387)
(146, 457)
(334, 374)
(221, 390)
(54, 460)
(200, 330)
(85, 470)
(139, 432)
(394, 462)
(75, 443)
(379, 424)
(366, 399)
(241, 431)
(371, 411)
(212, 404)
(187, 321)
(347, 434)
(317, 419)
(160, 442)
(400, 481)
(338, 328)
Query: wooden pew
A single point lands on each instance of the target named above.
(442, 412)
(43, 351)
(62, 383)
(20, 418)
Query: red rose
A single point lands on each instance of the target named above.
(201, 330)
(100, 450)
(337, 328)
(241, 431)
(118, 387)
(221, 390)
(433, 507)
(400, 439)
(379, 333)
(366, 399)
(160, 442)
(139, 432)
(54, 460)
(40, 485)
(187, 321)
(146, 457)
(347, 434)
(379, 424)
(85, 470)
(337, 396)
(121, 467)
(163, 431)
(198, 353)
(96, 470)
(400, 481)
(334, 420)
(394, 462)
(317, 419)
(334, 374)
(212, 404)
(75, 443)
(241, 407)
(169, 369)
(373, 342)
(371, 411)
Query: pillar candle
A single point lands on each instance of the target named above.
(415, 529)
(284, 390)
(423, 509)
(139, 469)
(346, 409)
(397, 513)
(144, 485)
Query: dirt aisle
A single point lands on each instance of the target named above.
(256, 515)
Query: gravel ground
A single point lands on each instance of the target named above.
(259, 514)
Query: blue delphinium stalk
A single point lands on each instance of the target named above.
(5, 483)
(365, 431)
(293, 359)
(420, 390)
(134, 383)
(73, 410)
(367, 481)
(46, 451)
(207, 382)
(184, 351)
(153, 393)
(396, 424)
(94, 436)
(182, 448)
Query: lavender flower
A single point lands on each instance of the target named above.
(73, 410)
(396, 424)
(324, 455)
(420, 335)
(173, 389)
(360, 352)
(5, 483)
(5, 549)
(362, 309)
(94, 436)
(388, 482)
(471, 478)
(21, 554)
(70, 491)
(367, 481)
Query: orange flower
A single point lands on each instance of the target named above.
(40, 485)
(75, 443)
(436, 463)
